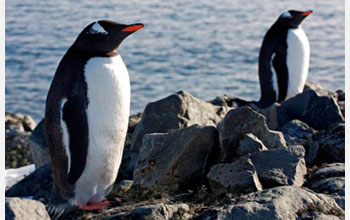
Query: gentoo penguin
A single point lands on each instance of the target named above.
(86, 117)
(284, 59)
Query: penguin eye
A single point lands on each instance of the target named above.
(97, 29)
(286, 15)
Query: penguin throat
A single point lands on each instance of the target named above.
(87, 53)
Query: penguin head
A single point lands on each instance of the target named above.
(293, 18)
(104, 36)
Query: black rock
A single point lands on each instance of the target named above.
(250, 144)
(38, 145)
(329, 179)
(178, 158)
(158, 211)
(341, 95)
(280, 203)
(282, 166)
(330, 145)
(318, 89)
(239, 122)
(296, 131)
(173, 112)
(237, 177)
(317, 111)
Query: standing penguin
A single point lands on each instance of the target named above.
(86, 118)
(284, 59)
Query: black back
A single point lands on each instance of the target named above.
(69, 82)
(274, 44)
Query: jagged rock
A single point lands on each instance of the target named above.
(37, 184)
(329, 179)
(320, 148)
(129, 157)
(127, 165)
(340, 200)
(250, 144)
(317, 108)
(282, 166)
(330, 145)
(159, 211)
(320, 216)
(17, 131)
(312, 155)
(17, 153)
(237, 177)
(20, 122)
(310, 86)
(239, 122)
(224, 100)
(178, 158)
(280, 203)
(332, 185)
(133, 121)
(38, 145)
(341, 95)
(341, 105)
(317, 111)
(330, 170)
(272, 116)
(23, 209)
(296, 131)
(175, 111)
(232, 102)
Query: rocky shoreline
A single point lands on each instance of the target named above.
(185, 158)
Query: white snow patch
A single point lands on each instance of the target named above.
(13, 176)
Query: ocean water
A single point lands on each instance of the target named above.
(208, 48)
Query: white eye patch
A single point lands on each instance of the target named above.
(97, 29)
(286, 15)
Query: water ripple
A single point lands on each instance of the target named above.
(208, 48)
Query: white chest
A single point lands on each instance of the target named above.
(108, 94)
(298, 58)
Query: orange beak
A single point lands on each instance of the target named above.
(306, 13)
(133, 27)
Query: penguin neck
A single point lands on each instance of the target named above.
(278, 25)
(89, 54)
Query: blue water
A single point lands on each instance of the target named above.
(208, 48)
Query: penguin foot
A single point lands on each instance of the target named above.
(117, 200)
(58, 211)
(96, 206)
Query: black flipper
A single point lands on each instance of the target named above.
(74, 115)
(268, 93)
(280, 65)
